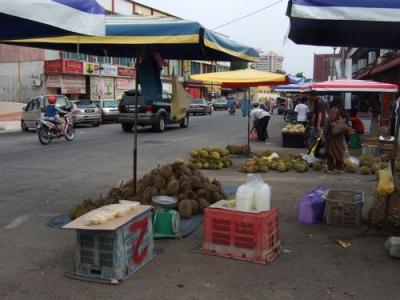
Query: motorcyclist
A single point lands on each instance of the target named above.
(232, 105)
(52, 111)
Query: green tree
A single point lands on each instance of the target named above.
(280, 72)
(238, 65)
(300, 75)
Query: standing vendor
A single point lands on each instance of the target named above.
(150, 65)
(260, 119)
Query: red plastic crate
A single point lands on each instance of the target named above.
(241, 235)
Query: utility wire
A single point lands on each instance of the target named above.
(248, 15)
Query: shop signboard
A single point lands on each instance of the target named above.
(101, 88)
(54, 81)
(91, 68)
(53, 66)
(73, 85)
(124, 84)
(108, 70)
(126, 72)
(73, 66)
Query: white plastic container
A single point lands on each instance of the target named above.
(245, 198)
(393, 246)
(262, 197)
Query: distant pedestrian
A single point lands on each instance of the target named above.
(244, 106)
(260, 119)
(302, 111)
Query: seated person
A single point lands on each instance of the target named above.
(356, 122)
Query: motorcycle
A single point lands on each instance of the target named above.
(232, 110)
(290, 116)
(47, 130)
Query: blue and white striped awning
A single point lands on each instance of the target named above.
(173, 38)
(291, 88)
(352, 23)
(45, 18)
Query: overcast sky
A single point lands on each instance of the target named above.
(265, 30)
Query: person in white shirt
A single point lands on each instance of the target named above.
(260, 119)
(302, 111)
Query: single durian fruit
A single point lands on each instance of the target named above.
(172, 188)
(185, 209)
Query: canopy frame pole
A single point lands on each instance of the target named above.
(248, 122)
(135, 135)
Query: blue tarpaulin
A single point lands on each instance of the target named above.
(172, 38)
(44, 18)
(352, 23)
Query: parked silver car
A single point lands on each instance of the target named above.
(85, 112)
(200, 106)
(108, 110)
(33, 110)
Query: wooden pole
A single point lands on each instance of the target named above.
(135, 136)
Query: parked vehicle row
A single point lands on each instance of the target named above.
(82, 111)
(156, 114)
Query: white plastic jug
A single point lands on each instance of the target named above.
(262, 197)
(245, 198)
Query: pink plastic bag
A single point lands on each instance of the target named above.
(253, 135)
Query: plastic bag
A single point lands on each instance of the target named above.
(310, 159)
(385, 184)
(353, 160)
(253, 135)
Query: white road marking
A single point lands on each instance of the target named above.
(18, 221)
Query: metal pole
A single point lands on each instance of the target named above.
(248, 122)
(135, 128)
(333, 63)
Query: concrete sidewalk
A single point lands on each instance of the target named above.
(10, 116)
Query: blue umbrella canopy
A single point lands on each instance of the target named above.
(352, 23)
(44, 18)
(173, 38)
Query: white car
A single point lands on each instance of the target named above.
(108, 110)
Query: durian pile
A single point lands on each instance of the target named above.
(210, 158)
(123, 192)
(185, 182)
(280, 163)
(369, 165)
(238, 149)
(299, 128)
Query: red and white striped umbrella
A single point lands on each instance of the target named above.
(352, 85)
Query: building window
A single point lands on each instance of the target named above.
(105, 60)
(75, 56)
(175, 67)
(123, 61)
(196, 68)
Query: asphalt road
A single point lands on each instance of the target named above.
(39, 182)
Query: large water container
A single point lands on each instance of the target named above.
(245, 198)
(262, 198)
